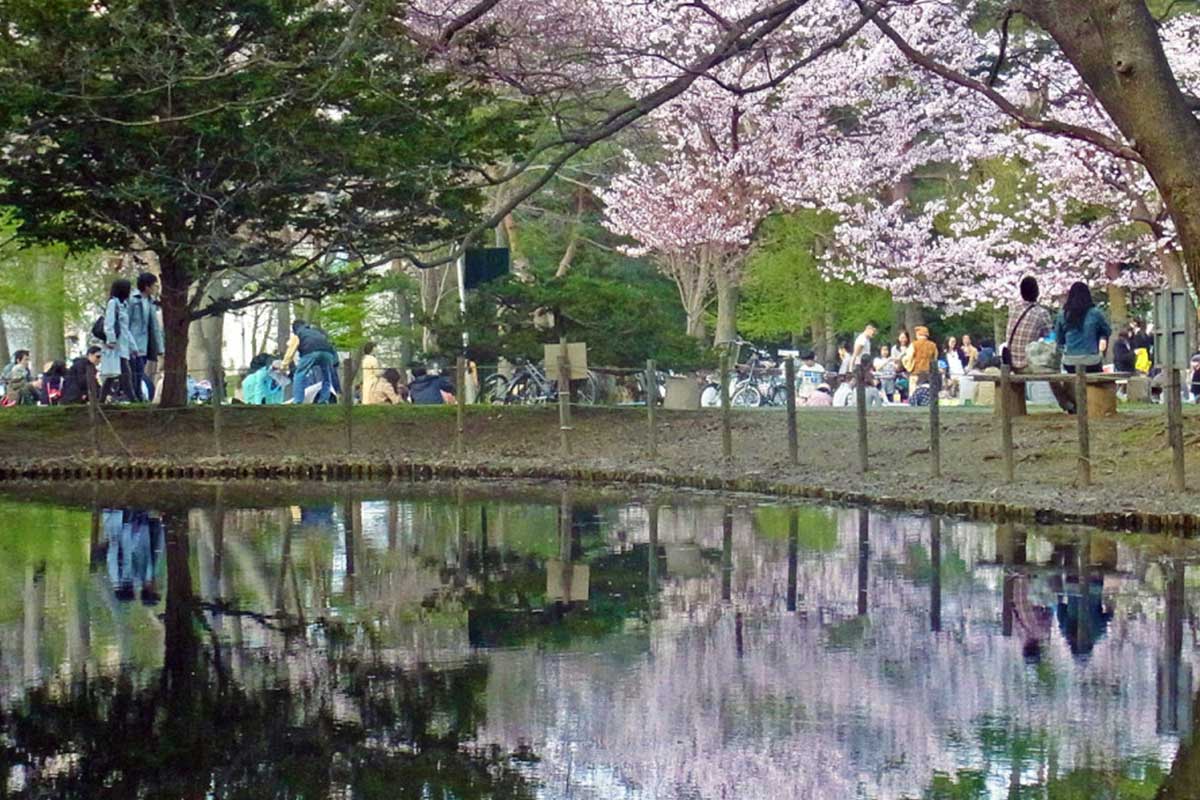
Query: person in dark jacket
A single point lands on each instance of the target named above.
(1124, 358)
(312, 352)
(426, 389)
(51, 384)
(81, 378)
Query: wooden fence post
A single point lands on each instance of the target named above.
(94, 408)
(460, 391)
(348, 400)
(1175, 421)
(789, 376)
(217, 378)
(1081, 415)
(564, 396)
(935, 423)
(860, 401)
(1006, 429)
(726, 408)
(651, 383)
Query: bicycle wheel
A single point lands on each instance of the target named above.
(746, 397)
(710, 397)
(588, 392)
(495, 389)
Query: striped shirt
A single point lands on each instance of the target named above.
(1026, 324)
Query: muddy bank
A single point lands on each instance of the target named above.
(610, 446)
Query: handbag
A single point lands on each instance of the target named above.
(1043, 356)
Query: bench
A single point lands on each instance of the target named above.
(1101, 389)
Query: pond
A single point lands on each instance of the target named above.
(473, 642)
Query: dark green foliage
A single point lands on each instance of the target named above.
(623, 323)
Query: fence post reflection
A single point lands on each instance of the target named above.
(727, 554)
(935, 575)
(864, 558)
(793, 555)
(1174, 677)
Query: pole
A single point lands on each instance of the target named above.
(860, 399)
(935, 423)
(218, 386)
(726, 411)
(1006, 430)
(348, 400)
(1085, 452)
(651, 382)
(789, 376)
(564, 396)
(94, 408)
(1174, 418)
(460, 387)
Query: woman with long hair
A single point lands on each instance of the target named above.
(1081, 330)
(115, 371)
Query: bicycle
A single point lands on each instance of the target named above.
(529, 385)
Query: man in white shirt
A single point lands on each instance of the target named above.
(862, 345)
(809, 375)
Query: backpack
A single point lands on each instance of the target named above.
(98, 328)
(1043, 356)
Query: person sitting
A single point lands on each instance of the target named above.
(1124, 359)
(1081, 330)
(388, 390)
(426, 388)
(18, 381)
(51, 385)
(260, 388)
(822, 397)
(80, 379)
(843, 394)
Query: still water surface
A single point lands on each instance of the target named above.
(431, 647)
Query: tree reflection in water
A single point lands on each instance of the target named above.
(707, 648)
(354, 727)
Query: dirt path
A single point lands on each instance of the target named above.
(1129, 469)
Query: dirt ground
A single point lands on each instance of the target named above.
(1130, 453)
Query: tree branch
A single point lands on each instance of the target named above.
(995, 71)
(1050, 127)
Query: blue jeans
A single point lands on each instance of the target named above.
(325, 363)
(143, 389)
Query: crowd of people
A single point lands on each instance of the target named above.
(120, 363)
(1037, 341)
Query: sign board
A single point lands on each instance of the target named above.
(1174, 327)
(576, 355)
(484, 264)
(568, 583)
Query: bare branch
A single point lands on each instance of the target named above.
(995, 71)
(1051, 127)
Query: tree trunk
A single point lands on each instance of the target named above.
(831, 344)
(914, 317)
(695, 321)
(1115, 46)
(1118, 306)
(49, 332)
(818, 336)
(283, 326)
(727, 300)
(176, 319)
(5, 354)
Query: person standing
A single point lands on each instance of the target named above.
(313, 353)
(1123, 357)
(862, 345)
(372, 373)
(145, 334)
(114, 359)
(1143, 346)
(924, 356)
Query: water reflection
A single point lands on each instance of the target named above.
(451, 648)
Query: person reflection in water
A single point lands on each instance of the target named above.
(132, 548)
(1034, 620)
